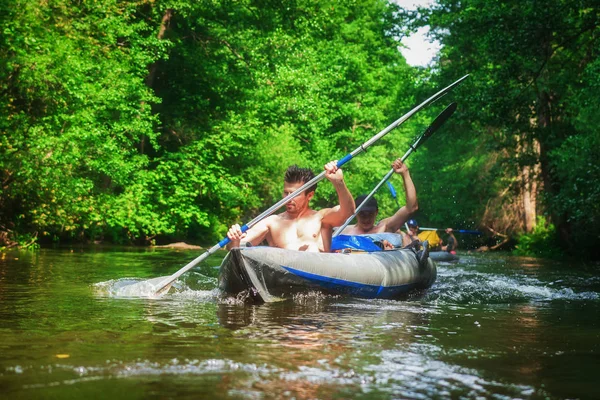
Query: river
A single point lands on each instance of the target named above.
(491, 327)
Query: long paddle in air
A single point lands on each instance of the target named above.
(435, 125)
(161, 285)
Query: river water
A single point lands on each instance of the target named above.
(491, 327)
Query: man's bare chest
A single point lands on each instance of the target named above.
(303, 229)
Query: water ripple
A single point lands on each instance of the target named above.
(464, 286)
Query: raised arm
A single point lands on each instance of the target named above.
(337, 215)
(395, 222)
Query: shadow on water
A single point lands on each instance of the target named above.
(490, 327)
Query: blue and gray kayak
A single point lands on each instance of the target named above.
(269, 274)
(443, 256)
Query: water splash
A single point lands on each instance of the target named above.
(464, 286)
(193, 285)
(127, 288)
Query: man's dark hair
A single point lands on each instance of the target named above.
(295, 174)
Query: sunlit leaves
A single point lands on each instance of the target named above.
(110, 131)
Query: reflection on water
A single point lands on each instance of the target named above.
(490, 327)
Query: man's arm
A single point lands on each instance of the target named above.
(393, 223)
(337, 215)
(254, 235)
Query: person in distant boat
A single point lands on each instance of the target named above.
(366, 217)
(452, 242)
(412, 234)
(299, 227)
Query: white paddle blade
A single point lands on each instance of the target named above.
(164, 286)
(148, 288)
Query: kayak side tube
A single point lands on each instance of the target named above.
(269, 273)
(443, 256)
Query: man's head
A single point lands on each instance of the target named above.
(295, 174)
(368, 212)
(295, 177)
(413, 226)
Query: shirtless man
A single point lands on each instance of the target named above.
(368, 213)
(300, 227)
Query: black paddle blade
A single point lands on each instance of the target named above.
(436, 124)
(440, 120)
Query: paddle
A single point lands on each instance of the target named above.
(435, 125)
(161, 285)
(466, 231)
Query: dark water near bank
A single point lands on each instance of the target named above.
(494, 327)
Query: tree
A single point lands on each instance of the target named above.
(527, 60)
(75, 108)
(132, 120)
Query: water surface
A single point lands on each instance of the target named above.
(492, 326)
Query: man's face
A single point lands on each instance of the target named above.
(299, 202)
(366, 219)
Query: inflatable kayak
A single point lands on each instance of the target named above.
(269, 273)
(443, 256)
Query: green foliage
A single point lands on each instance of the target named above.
(145, 120)
(249, 90)
(455, 176)
(542, 242)
(578, 200)
(114, 129)
(526, 115)
(18, 240)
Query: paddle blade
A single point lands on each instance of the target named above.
(441, 119)
(392, 189)
(436, 124)
(146, 288)
(164, 286)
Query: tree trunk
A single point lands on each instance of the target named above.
(164, 25)
(544, 121)
(529, 198)
(528, 149)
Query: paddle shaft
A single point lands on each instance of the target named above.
(167, 283)
(435, 125)
(453, 230)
